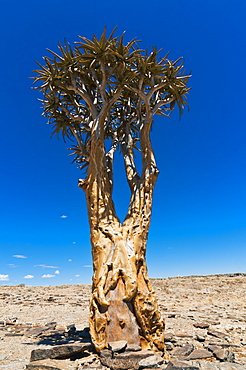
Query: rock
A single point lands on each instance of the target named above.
(183, 351)
(217, 334)
(230, 366)
(124, 361)
(64, 350)
(205, 365)
(201, 325)
(199, 354)
(178, 365)
(222, 354)
(200, 338)
(87, 360)
(133, 348)
(36, 332)
(106, 353)
(50, 365)
(151, 361)
(117, 346)
(120, 364)
(139, 355)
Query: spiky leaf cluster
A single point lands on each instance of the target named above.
(105, 85)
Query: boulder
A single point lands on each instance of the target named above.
(62, 351)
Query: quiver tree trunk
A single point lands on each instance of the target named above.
(123, 304)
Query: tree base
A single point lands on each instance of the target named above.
(138, 322)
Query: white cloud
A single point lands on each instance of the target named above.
(87, 265)
(11, 265)
(63, 216)
(77, 275)
(69, 260)
(48, 276)
(46, 266)
(74, 242)
(19, 256)
(28, 277)
(4, 277)
(57, 272)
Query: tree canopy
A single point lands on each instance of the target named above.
(108, 88)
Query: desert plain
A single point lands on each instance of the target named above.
(205, 320)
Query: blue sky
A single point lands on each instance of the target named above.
(199, 213)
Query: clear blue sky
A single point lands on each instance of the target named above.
(199, 214)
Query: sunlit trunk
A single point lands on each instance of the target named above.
(123, 305)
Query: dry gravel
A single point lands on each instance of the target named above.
(219, 301)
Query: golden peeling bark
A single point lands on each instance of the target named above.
(123, 305)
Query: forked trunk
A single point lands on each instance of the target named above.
(123, 305)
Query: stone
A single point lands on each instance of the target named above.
(117, 346)
(178, 365)
(151, 361)
(124, 361)
(133, 348)
(222, 354)
(199, 354)
(201, 325)
(183, 351)
(205, 365)
(217, 334)
(106, 353)
(36, 332)
(87, 360)
(119, 363)
(230, 366)
(200, 338)
(64, 350)
(50, 365)
(139, 355)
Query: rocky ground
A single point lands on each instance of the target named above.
(205, 327)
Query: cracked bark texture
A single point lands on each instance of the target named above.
(123, 304)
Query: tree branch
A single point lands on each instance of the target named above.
(86, 98)
(79, 141)
(156, 88)
(162, 102)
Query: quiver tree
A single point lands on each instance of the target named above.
(102, 94)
